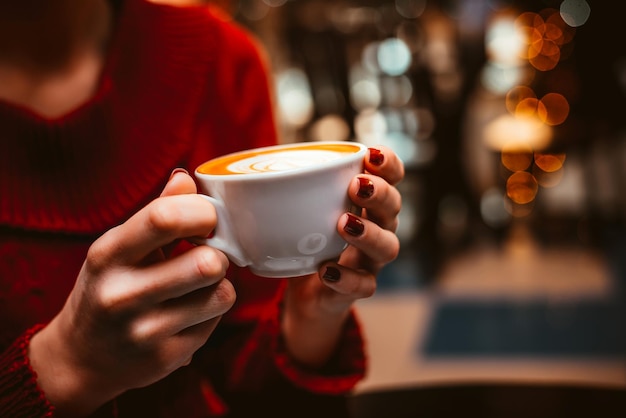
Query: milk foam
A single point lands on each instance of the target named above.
(282, 161)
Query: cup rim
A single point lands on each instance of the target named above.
(359, 154)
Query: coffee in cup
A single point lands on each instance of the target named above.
(278, 207)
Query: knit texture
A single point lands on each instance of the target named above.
(20, 396)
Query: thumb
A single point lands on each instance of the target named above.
(180, 182)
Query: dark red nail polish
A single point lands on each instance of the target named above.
(376, 157)
(366, 188)
(354, 226)
(332, 274)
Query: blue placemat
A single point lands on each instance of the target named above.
(536, 328)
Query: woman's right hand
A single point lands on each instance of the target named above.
(135, 315)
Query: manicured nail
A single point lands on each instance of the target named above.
(178, 170)
(332, 274)
(376, 157)
(366, 188)
(354, 226)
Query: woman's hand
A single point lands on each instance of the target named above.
(316, 306)
(134, 315)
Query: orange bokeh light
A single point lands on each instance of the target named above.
(553, 33)
(527, 107)
(516, 95)
(549, 162)
(529, 19)
(554, 109)
(548, 57)
(521, 187)
(545, 33)
(516, 158)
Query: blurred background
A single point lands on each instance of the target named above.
(510, 117)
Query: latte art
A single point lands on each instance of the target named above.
(278, 158)
(282, 161)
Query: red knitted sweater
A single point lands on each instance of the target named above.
(180, 85)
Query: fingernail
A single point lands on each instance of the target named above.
(332, 274)
(354, 226)
(178, 170)
(366, 188)
(376, 157)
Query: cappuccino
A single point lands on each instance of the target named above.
(277, 207)
(290, 157)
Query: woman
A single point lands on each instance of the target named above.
(107, 310)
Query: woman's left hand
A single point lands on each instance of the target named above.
(316, 306)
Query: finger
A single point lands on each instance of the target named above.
(381, 201)
(180, 182)
(192, 338)
(159, 223)
(382, 161)
(176, 315)
(181, 347)
(347, 283)
(197, 268)
(378, 244)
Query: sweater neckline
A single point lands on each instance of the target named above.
(102, 85)
(121, 25)
(78, 173)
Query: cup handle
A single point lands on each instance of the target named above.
(224, 239)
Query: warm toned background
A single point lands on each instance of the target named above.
(510, 117)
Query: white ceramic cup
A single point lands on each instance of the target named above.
(278, 207)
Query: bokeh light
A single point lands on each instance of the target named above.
(507, 132)
(549, 162)
(521, 187)
(364, 87)
(575, 12)
(504, 41)
(295, 102)
(527, 107)
(493, 208)
(546, 35)
(393, 56)
(330, 128)
(500, 78)
(370, 126)
(516, 95)
(554, 109)
(517, 157)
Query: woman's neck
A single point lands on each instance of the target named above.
(51, 52)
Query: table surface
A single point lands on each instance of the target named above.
(521, 315)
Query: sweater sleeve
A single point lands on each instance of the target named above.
(254, 358)
(20, 397)
(258, 373)
(340, 374)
